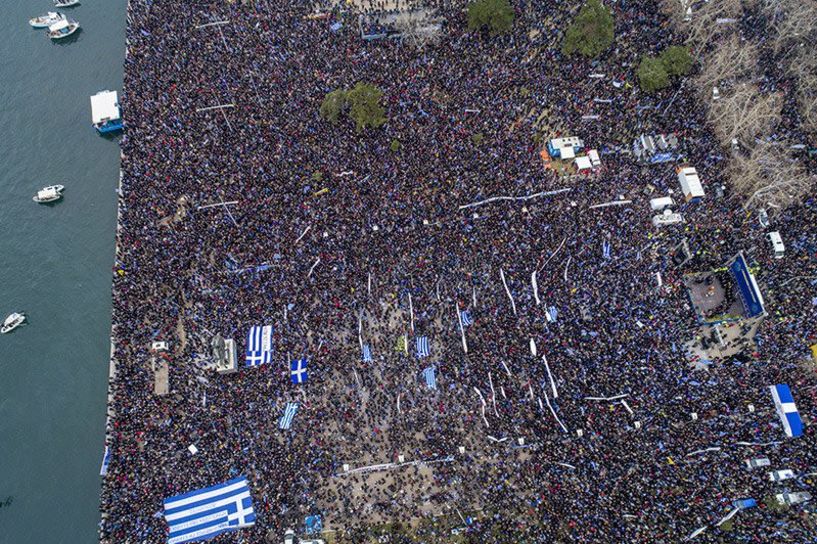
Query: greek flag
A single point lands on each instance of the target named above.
(259, 345)
(552, 314)
(205, 513)
(422, 347)
(298, 372)
(429, 374)
(289, 414)
(466, 318)
(786, 410)
(367, 353)
(106, 462)
(605, 249)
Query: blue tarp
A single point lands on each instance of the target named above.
(747, 287)
(313, 524)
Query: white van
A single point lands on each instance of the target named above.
(758, 462)
(780, 475)
(793, 498)
(777, 244)
(659, 204)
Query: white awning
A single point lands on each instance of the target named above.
(59, 25)
(104, 106)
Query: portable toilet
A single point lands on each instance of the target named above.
(777, 244)
(690, 184)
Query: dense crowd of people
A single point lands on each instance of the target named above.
(339, 238)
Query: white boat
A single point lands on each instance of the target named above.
(62, 29)
(12, 322)
(49, 194)
(65, 3)
(44, 21)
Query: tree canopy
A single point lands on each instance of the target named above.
(676, 60)
(333, 105)
(497, 15)
(362, 103)
(591, 31)
(652, 75)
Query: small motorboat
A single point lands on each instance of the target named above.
(65, 3)
(12, 322)
(62, 29)
(52, 193)
(44, 21)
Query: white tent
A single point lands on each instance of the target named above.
(690, 183)
(583, 163)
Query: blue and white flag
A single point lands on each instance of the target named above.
(367, 353)
(466, 318)
(786, 410)
(289, 414)
(422, 347)
(430, 376)
(106, 462)
(605, 249)
(552, 314)
(259, 345)
(297, 371)
(205, 513)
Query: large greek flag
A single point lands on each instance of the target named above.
(786, 410)
(289, 414)
(422, 347)
(205, 513)
(259, 345)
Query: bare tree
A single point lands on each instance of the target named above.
(731, 61)
(420, 26)
(768, 176)
(793, 22)
(712, 20)
(744, 114)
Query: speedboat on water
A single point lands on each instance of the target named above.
(12, 322)
(62, 29)
(51, 193)
(44, 21)
(65, 3)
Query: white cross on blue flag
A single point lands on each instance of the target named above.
(298, 371)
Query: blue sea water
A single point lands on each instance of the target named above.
(55, 264)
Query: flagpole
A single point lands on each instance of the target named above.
(493, 394)
(411, 310)
(462, 331)
(513, 304)
(535, 288)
